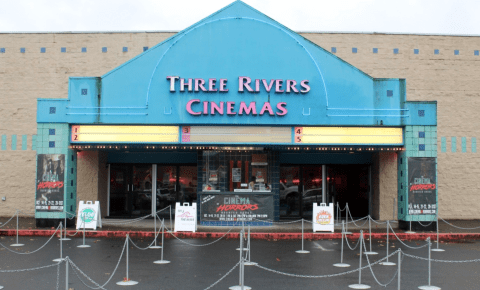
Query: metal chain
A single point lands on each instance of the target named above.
(415, 248)
(373, 274)
(442, 261)
(325, 276)
(424, 225)
(29, 269)
(458, 226)
(79, 278)
(8, 220)
(111, 276)
(29, 214)
(79, 230)
(142, 249)
(112, 222)
(194, 245)
(348, 244)
(228, 273)
(352, 221)
(20, 253)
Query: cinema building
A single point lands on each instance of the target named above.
(244, 117)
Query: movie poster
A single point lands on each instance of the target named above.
(50, 182)
(233, 207)
(422, 186)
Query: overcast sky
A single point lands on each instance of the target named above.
(410, 16)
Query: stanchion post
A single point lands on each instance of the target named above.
(241, 278)
(302, 251)
(387, 263)
(360, 285)
(66, 273)
(347, 210)
(17, 244)
(438, 240)
(170, 218)
(155, 222)
(83, 245)
(337, 211)
(61, 242)
(399, 266)
(249, 249)
(342, 264)
(62, 233)
(126, 281)
(162, 261)
(370, 252)
(410, 230)
(429, 286)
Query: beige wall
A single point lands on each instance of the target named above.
(450, 79)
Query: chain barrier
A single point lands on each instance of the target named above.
(194, 245)
(75, 269)
(373, 274)
(228, 273)
(442, 261)
(352, 221)
(414, 248)
(29, 269)
(132, 220)
(142, 249)
(20, 253)
(348, 244)
(9, 220)
(325, 276)
(458, 226)
(424, 225)
(25, 213)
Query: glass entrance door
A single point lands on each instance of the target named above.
(311, 188)
(300, 187)
(130, 190)
(119, 186)
(175, 183)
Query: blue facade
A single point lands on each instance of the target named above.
(231, 49)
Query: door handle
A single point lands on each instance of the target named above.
(128, 187)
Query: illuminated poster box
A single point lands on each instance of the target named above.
(124, 134)
(349, 135)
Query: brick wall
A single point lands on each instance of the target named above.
(449, 77)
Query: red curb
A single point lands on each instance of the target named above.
(257, 236)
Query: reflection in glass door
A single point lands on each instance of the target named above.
(176, 183)
(300, 187)
(289, 191)
(311, 188)
(141, 191)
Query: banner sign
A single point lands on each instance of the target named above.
(422, 186)
(89, 216)
(185, 217)
(323, 218)
(236, 207)
(50, 182)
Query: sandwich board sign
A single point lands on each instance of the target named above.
(89, 215)
(186, 217)
(323, 217)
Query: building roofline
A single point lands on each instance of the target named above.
(299, 32)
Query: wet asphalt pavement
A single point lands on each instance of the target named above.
(194, 267)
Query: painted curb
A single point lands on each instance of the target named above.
(257, 236)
